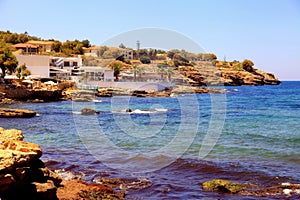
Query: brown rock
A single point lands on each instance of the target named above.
(45, 190)
(77, 189)
(17, 153)
(16, 113)
(11, 134)
(6, 181)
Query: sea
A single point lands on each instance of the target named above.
(165, 148)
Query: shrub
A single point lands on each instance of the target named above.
(145, 60)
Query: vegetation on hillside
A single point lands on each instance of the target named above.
(75, 47)
(8, 61)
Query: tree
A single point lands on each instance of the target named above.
(140, 71)
(145, 60)
(56, 46)
(135, 70)
(22, 71)
(101, 51)
(86, 43)
(162, 72)
(248, 65)
(117, 69)
(8, 61)
(169, 73)
(122, 46)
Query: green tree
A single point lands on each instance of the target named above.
(22, 71)
(8, 61)
(248, 65)
(56, 46)
(135, 70)
(86, 43)
(145, 60)
(117, 69)
(101, 51)
(169, 73)
(122, 46)
(162, 72)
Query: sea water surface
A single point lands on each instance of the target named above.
(250, 134)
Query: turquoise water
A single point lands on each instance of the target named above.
(250, 134)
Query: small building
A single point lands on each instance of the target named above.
(66, 62)
(92, 51)
(26, 48)
(37, 65)
(43, 46)
(127, 53)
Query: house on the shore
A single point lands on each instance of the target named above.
(127, 53)
(26, 49)
(48, 66)
(43, 46)
(38, 66)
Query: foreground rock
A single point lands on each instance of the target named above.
(16, 113)
(22, 174)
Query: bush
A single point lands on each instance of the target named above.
(248, 65)
(145, 60)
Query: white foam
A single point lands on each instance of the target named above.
(161, 109)
(76, 113)
(97, 101)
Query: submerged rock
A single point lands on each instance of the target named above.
(223, 186)
(279, 190)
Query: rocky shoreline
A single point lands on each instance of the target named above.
(197, 80)
(23, 175)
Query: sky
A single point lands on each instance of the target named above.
(266, 32)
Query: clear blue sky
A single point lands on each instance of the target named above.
(265, 31)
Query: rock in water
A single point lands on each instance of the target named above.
(89, 111)
(16, 113)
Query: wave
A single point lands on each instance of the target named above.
(76, 113)
(97, 101)
(138, 111)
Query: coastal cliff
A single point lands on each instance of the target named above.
(210, 74)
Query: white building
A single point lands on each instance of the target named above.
(38, 66)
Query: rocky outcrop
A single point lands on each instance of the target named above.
(22, 174)
(16, 113)
(210, 75)
(25, 94)
(238, 78)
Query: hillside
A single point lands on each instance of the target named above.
(179, 66)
